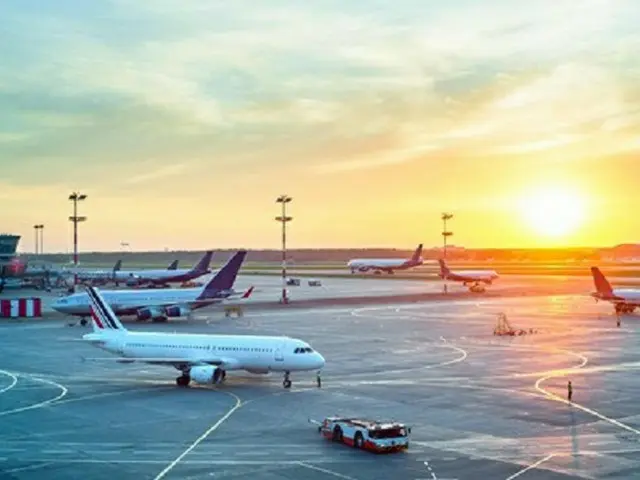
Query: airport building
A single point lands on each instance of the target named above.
(8, 246)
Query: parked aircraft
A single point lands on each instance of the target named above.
(159, 305)
(165, 277)
(625, 300)
(474, 279)
(205, 359)
(389, 265)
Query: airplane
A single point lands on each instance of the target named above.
(625, 300)
(389, 265)
(203, 358)
(159, 305)
(134, 278)
(474, 279)
(173, 265)
(96, 277)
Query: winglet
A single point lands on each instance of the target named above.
(248, 293)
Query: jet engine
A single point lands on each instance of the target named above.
(206, 374)
(177, 311)
(149, 313)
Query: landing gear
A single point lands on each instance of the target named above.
(286, 383)
(477, 288)
(183, 380)
(319, 380)
(83, 322)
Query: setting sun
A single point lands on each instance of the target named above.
(554, 212)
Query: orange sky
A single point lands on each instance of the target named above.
(183, 132)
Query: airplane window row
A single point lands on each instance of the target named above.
(201, 347)
(303, 350)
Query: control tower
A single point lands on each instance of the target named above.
(8, 246)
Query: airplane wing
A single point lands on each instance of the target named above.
(221, 362)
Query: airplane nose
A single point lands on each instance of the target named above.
(319, 361)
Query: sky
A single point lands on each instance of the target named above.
(183, 120)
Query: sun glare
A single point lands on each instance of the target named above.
(554, 212)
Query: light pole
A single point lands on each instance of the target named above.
(35, 231)
(445, 234)
(284, 199)
(76, 197)
(41, 228)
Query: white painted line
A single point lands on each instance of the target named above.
(211, 429)
(324, 470)
(27, 468)
(531, 467)
(13, 383)
(108, 394)
(40, 404)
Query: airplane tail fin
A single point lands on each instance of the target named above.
(173, 265)
(225, 278)
(603, 287)
(417, 254)
(203, 265)
(117, 266)
(444, 268)
(103, 318)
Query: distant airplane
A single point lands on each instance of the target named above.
(205, 359)
(389, 265)
(159, 305)
(474, 279)
(173, 265)
(134, 278)
(625, 300)
(99, 277)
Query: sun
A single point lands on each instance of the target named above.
(554, 211)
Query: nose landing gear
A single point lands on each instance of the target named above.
(286, 383)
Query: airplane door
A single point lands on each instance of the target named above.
(279, 356)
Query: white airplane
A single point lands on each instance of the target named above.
(625, 300)
(164, 277)
(389, 265)
(159, 305)
(205, 359)
(474, 279)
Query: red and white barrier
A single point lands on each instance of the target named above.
(21, 308)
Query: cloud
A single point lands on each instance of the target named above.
(156, 174)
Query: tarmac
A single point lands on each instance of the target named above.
(480, 406)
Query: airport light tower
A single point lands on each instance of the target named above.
(37, 229)
(445, 234)
(284, 199)
(76, 197)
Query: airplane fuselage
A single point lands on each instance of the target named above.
(382, 264)
(126, 302)
(256, 354)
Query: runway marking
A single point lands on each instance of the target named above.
(324, 470)
(202, 437)
(28, 468)
(108, 394)
(63, 389)
(13, 383)
(433, 475)
(531, 467)
(553, 396)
